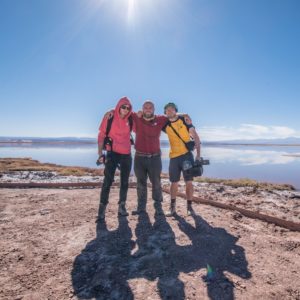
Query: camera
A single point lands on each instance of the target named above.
(98, 162)
(195, 169)
(202, 161)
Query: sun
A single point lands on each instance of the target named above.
(132, 11)
(131, 7)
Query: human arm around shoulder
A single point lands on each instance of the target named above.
(139, 114)
(109, 114)
(162, 120)
(186, 117)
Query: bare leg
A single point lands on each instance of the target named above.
(174, 188)
(172, 210)
(189, 196)
(189, 189)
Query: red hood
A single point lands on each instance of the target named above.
(123, 100)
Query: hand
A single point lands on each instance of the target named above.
(100, 160)
(109, 114)
(139, 114)
(198, 157)
(187, 119)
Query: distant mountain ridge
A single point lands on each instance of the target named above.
(47, 140)
(87, 140)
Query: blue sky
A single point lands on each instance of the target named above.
(233, 65)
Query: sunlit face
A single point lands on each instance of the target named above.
(124, 110)
(148, 110)
(170, 112)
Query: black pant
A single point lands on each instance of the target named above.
(144, 167)
(112, 161)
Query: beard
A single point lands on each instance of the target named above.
(148, 115)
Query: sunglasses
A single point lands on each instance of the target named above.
(125, 107)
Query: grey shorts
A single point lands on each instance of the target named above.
(177, 166)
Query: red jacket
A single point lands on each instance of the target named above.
(120, 129)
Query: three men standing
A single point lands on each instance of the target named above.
(147, 161)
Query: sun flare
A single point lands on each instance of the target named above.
(131, 10)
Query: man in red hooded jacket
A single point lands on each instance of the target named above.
(118, 155)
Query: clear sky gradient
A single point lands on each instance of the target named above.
(233, 65)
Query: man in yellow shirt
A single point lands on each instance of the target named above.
(180, 133)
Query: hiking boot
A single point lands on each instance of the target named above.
(122, 209)
(189, 208)
(141, 207)
(172, 210)
(101, 213)
(138, 211)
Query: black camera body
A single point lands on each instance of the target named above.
(196, 169)
(98, 163)
(202, 161)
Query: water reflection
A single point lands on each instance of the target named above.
(250, 157)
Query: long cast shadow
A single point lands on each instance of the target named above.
(105, 266)
(100, 270)
(156, 257)
(216, 248)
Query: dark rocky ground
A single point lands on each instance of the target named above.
(51, 248)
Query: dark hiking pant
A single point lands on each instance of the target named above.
(112, 161)
(145, 166)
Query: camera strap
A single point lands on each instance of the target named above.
(175, 131)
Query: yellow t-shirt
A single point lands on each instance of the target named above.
(177, 147)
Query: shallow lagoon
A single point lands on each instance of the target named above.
(279, 164)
